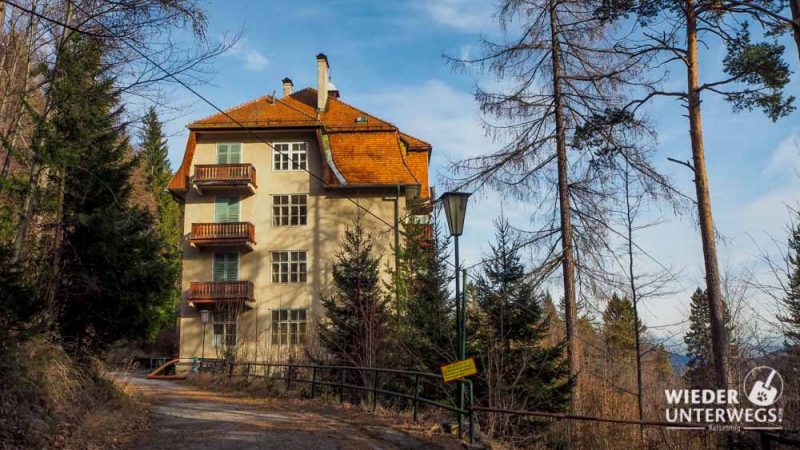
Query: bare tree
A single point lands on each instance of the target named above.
(560, 121)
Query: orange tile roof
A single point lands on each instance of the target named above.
(364, 153)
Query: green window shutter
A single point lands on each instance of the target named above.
(223, 153)
(232, 267)
(226, 209)
(234, 153)
(219, 267)
(226, 267)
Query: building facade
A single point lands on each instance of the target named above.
(268, 189)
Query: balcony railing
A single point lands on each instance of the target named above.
(224, 176)
(221, 234)
(210, 292)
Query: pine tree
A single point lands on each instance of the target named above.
(424, 329)
(509, 327)
(153, 159)
(791, 319)
(700, 368)
(114, 278)
(619, 327)
(357, 313)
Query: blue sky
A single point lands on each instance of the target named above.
(386, 58)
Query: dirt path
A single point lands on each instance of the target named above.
(187, 417)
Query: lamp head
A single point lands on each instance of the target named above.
(455, 208)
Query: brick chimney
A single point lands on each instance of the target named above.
(287, 87)
(322, 81)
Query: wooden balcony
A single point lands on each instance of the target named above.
(210, 293)
(222, 177)
(223, 234)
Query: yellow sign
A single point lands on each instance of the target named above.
(458, 370)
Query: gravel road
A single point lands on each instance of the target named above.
(184, 417)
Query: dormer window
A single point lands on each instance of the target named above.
(288, 156)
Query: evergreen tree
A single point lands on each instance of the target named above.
(699, 372)
(619, 326)
(114, 278)
(791, 319)
(153, 159)
(424, 329)
(357, 310)
(508, 330)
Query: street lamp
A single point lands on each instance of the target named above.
(204, 314)
(455, 208)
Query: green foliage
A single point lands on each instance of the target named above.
(619, 325)
(791, 318)
(508, 327)
(114, 277)
(425, 328)
(357, 312)
(761, 66)
(699, 373)
(153, 156)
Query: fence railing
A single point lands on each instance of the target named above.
(220, 232)
(221, 290)
(291, 372)
(224, 174)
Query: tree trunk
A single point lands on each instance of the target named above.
(635, 301)
(794, 5)
(719, 339)
(568, 257)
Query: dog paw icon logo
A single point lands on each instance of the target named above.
(766, 386)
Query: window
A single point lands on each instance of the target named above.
(288, 326)
(224, 334)
(288, 267)
(229, 153)
(226, 209)
(226, 267)
(289, 210)
(289, 156)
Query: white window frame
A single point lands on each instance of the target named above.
(277, 336)
(288, 263)
(291, 155)
(289, 205)
(220, 340)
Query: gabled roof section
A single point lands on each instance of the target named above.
(359, 149)
(296, 110)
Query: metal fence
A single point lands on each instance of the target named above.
(336, 378)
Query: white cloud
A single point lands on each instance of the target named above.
(786, 157)
(463, 15)
(253, 58)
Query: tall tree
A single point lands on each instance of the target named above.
(114, 277)
(424, 323)
(154, 162)
(562, 73)
(791, 318)
(754, 78)
(509, 327)
(698, 339)
(357, 314)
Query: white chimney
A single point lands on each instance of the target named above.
(287, 87)
(322, 81)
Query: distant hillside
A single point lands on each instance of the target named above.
(678, 362)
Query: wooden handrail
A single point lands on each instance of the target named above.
(223, 230)
(221, 290)
(224, 172)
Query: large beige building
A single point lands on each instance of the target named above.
(269, 188)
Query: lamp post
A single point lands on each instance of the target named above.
(204, 319)
(455, 208)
